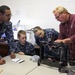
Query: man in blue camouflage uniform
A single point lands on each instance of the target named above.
(6, 27)
(22, 46)
(46, 35)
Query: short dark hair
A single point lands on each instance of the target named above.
(3, 8)
(35, 29)
(21, 32)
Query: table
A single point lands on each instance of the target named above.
(45, 70)
(13, 68)
(27, 68)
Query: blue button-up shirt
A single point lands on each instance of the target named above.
(27, 48)
(50, 34)
(6, 28)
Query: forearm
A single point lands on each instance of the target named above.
(67, 40)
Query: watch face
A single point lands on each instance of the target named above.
(70, 73)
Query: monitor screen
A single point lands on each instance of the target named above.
(3, 36)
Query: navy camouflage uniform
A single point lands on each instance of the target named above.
(27, 48)
(49, 33)
(6, 28)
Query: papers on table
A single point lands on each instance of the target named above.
(18, 60)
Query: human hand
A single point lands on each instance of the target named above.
(58, 41)
(12, 55)
(2, 61)
(21, 53)
(67, 40)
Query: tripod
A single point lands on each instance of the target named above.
(63, 53)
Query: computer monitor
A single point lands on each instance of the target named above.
(3, 36)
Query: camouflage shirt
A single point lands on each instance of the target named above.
(6, 28)
(50, 34)
(27, 48)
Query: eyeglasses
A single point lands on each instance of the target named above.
(58, 16)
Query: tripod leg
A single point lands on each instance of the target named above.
(41, 55)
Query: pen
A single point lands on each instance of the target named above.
(18, 60)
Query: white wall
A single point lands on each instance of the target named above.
(37, 12)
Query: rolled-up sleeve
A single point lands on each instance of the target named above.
(73, 38)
